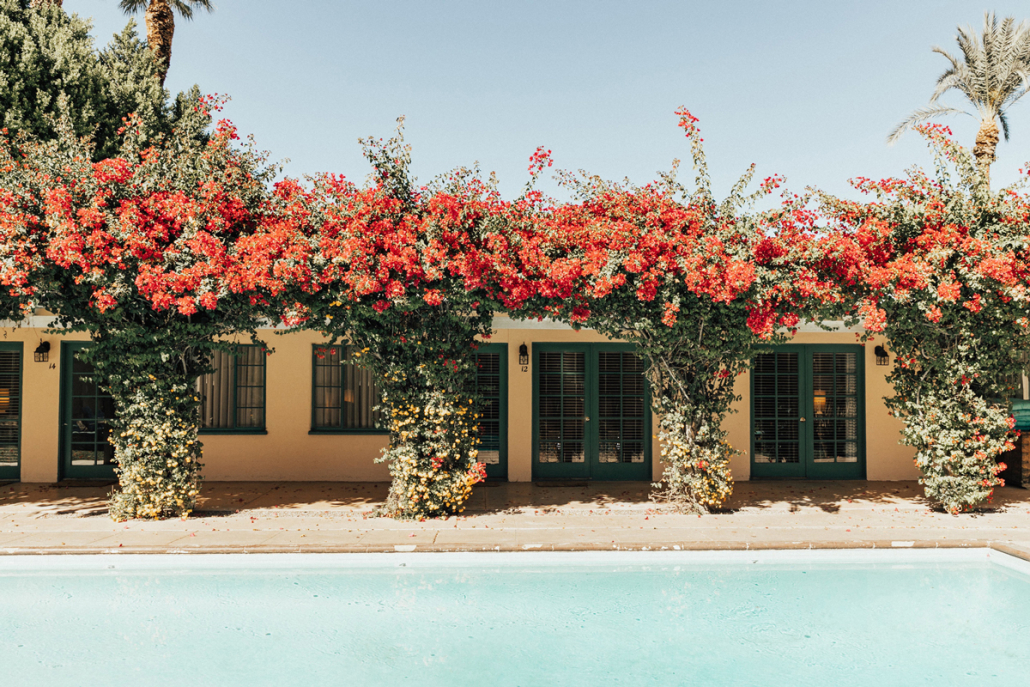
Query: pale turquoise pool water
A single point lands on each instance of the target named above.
(665, 618)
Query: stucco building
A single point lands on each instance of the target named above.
(559, 404)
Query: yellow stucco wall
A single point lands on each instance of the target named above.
(289, 452)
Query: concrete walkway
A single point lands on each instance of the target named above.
(253, 517)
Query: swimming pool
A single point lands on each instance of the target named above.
(945, 617)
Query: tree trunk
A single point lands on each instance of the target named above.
(160, 29)
(986, 142)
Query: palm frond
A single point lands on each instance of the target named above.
(955, 63)
(133, 6)
(957, 79)
(1004, 125)
(920, 115)
(185, 7)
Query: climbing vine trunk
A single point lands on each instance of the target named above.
(696, 456)
(433, 442)
(425, 366)
(156, 447)
(160, 30)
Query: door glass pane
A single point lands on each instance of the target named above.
(83, 453)
(90, 413)
(488, 383)
(775, 407)
(561, 407)
(835, 407)
(573, 452)
(621, 407)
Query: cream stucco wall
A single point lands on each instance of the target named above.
(288, 451)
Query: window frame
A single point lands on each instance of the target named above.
(498, 471)
(372, 431)
(13, 472)
(263, 429)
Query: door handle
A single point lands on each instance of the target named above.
(586, 418)
(801, 420)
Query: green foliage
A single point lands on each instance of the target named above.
(183, 7)
(49, 69)
(141, 253)
(992, 73)
(937, 265)
(698, 287)
(128, 69)
(423, 359)
(401, 279)
(151, 373)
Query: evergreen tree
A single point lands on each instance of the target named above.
(127, 67)
(50, 69)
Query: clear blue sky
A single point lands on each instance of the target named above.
(806, 89)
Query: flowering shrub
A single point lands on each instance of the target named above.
(699, 287)
(139, 251)
(179, 243)
(939, 266)
(399, 272)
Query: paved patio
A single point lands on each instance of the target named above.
(254, 517)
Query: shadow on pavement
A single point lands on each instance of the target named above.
(220, 498)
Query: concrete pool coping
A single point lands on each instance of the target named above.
(538, 560)
(285, 517)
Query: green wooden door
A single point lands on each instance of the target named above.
(492, 385)
(807, 413)
(10, 410)
(591, 417)
(86, 412)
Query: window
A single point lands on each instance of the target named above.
(10, 410)
(345, 397)
(233, 396)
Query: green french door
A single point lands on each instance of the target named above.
(10, 410)
(492, 385)
(86, 412)
(591, 416)
(807, 413)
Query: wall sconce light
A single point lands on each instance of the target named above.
(882, 357)
(42, 352)
(523, 355)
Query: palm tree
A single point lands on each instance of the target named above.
(161, 24)
(993, 74)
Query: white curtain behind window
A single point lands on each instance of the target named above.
(215, 391)
(359, 397)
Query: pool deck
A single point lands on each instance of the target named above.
(277, 517)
